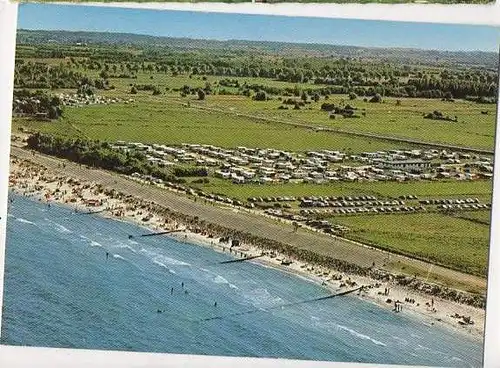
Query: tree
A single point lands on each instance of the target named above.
(376, 98)
(316, 97)
(85, 90)
(104, 74)
(352, 96)
(133, 90)
(201, 94)
(304, 96)
(260, 96)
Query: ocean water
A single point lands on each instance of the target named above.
(62, 291)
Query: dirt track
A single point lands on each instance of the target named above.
(243, 221)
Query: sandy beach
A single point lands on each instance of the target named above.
(29, 179)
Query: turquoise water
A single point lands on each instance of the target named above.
(62, 291)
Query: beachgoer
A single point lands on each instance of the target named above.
(107, 255)
(171, 291)
(182, 284)
(215, 304)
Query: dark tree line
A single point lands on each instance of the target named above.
(365, 78)
(36, 104)
(98, 154)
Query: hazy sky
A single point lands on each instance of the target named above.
(258, 27)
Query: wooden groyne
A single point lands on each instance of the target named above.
(154, 234)
(284, 305)
(241, 259)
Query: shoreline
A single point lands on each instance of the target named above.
(29, 179)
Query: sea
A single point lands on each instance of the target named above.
(76, 280)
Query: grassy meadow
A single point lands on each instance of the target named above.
(438, 237)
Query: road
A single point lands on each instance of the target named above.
(255, 224)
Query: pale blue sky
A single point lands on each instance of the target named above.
(258, 27)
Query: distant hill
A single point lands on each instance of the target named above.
(404, 55)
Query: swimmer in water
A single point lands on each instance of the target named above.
(182, 284)
(171, 291)
(107, 255)
(215, 304)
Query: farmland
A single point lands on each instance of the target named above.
(159, 122)
(259, 101)
(437, 237)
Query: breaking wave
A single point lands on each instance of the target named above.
(361, 336)
(24, 221)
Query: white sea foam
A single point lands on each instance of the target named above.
(95, 244)
(262, 298)
(124, 246)
(220, 280)
(157, 262)
(24, 221)
(61, 228)
(400, 339)
(164, 259)
(420, 347)
(360, 335)
(118, 256)
(131, 249)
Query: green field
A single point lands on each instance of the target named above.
(435, 237)
(155, 121)
(404, 119)
(483, 217)
(442, 189)
(473, 128)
